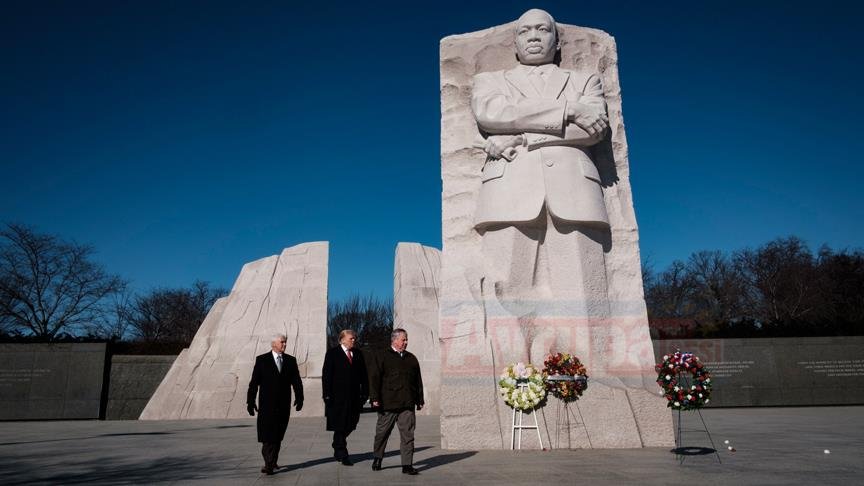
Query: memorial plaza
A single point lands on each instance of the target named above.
(772, 446)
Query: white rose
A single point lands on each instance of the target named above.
(665, 357)
(677, 404)
(668, 377)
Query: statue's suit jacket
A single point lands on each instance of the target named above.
(555, 167)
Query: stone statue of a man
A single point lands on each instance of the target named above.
(540, 210)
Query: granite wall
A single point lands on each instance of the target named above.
(51, 381)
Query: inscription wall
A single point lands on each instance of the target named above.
(51, 381)
(779, 371)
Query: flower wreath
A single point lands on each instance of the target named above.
(522, 398)
(684, 392)
(564, 364)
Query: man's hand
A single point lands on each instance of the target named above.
(251, 408)
(593, 121)
(298, 405)
(498, 146)
(375, 404)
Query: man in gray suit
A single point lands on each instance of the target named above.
(541, 211)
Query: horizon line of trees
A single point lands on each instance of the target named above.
(51, 289)
(779, 289)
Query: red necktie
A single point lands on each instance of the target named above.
(348, 353)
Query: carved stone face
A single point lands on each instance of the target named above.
(536, 39)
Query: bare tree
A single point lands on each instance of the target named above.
(777, 289)
(668, 297)
(49, 286)
(717, 288)
(841, 280)
(171, 315)
(783, 275)
(371, 318)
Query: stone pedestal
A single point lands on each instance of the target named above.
(415, 309)
(622, 406)
(285, 294)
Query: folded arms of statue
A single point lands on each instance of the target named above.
(539, 122)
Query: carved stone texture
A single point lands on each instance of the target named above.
(285, 294)
(481, 332)
(415, 309)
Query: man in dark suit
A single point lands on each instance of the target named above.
(345, 387)
(396, 389)
(274, 375)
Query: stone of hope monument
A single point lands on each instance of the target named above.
(540, 255)
(540, 242)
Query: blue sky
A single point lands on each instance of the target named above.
(183, 139)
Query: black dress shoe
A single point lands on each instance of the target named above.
(346, 461)
(376, 464)
(410, 470)
(267, 471)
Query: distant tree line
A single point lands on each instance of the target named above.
(370, 317)
(781, 288)
(51, 289)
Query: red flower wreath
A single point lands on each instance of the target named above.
(685, 382)
(566, 365)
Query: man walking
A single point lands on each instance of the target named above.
(396, 388)
(345, 387)
(274, 375)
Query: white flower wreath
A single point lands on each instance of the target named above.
(525, 397)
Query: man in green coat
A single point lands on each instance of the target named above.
(396, 389)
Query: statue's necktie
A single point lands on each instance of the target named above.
(537, 80)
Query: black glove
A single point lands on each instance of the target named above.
(298, 405)
(251, 408)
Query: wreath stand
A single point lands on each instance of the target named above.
(681, 451)
(518, 427)
(564, 419)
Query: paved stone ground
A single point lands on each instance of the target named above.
(773, 446)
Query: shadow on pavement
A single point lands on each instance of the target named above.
(115, 470)
(443, 459)
(357, 458)
(121, 434)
